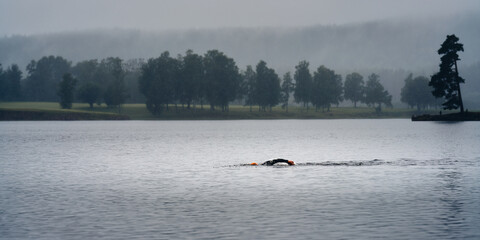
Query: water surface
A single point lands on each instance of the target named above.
(355, 179)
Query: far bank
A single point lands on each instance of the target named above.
(139, 112)
(452, 117)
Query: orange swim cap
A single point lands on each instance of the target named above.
(253, 164)
(290, 162)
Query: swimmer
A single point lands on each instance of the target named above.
(275, 161)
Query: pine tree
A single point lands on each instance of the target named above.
(446, 82)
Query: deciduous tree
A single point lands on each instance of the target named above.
(3, 85)
(65, 90)
(115, 94)
(89, 93)
(416, 92)
(267, 86)
(156, 82)
(326, 89)
(376, 94)
(222, 79)
(43, 78)
(354, 88)
(192, 73)
(10, 88)
(286, 89)
(249, 86)
(303, 83)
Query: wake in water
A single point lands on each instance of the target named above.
(374, 162)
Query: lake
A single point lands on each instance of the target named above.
(354, 179)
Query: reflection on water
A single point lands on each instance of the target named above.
(452, 217)
(354, 179)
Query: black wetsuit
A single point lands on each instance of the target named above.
(278, 160)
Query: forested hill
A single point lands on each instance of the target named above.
(409, 45)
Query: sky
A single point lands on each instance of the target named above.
(27, 17)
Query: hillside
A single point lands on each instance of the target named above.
(392, 48)
(409, 45)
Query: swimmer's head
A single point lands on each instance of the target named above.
(290, 162)
(253, 164)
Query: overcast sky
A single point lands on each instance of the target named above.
(47, 16)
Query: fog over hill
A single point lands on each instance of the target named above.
(395, 47)
(389, 44)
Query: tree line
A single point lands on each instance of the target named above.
(215, 79)
(192, 80)
(50, 78)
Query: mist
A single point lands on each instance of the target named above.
(393, 44)
(390, 43)
(49, 16)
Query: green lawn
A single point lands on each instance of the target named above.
(139, 112)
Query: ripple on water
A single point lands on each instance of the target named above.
(354, 179)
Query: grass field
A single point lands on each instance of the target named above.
(51, 111)
(140, 112)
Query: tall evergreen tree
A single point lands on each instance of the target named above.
(446, 82)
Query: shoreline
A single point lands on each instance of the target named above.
(44, 111)
(54, 115)
(452, 117)
(76, 115)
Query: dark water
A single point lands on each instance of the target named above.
(355, 179)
